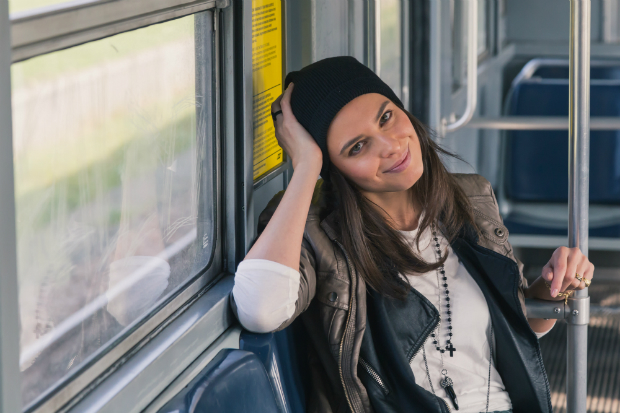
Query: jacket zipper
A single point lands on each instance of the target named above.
(344, 386)
(374, 375)
(425, 340)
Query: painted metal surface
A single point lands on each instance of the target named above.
(147, 372)
(539, 123)
(62, 27)
(10, 383)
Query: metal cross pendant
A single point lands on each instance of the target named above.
(451, 349)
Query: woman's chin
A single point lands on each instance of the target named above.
(402, 181)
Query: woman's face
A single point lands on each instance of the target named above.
(373, 143)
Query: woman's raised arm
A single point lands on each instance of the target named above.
(281, 240)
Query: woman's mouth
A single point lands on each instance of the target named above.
(401, 164)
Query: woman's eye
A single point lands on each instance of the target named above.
(356, 148)
(386, 116)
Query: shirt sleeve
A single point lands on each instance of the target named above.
(265, 293)
(539, 335)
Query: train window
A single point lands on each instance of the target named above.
(390, 44)
(114, 188)
(460, 42)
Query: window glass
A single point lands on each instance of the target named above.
(390, 44)
(114, 188)
(459, 43)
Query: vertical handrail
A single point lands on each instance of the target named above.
(472, 71)
(578, 197)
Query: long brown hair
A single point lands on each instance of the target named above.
(378, 251)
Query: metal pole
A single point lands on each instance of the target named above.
(10, 383)
(539, 123)
(578, 196)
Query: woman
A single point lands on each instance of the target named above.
(402, 273)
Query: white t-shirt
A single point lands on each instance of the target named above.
(265, 293)
(471, 328)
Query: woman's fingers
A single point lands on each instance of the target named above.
(579, 270)
(572, 268)
(559, 264)
(561, 271)
(586, 272)
(276, 106)
(547, 272)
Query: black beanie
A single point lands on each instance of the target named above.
(324, 87)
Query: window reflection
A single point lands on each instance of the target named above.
(110, 168)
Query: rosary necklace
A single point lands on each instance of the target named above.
(446, 382)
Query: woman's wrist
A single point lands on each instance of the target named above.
(308, 166)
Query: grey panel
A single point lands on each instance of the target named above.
(547, 20)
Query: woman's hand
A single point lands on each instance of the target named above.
(561, 273)
(292, 137)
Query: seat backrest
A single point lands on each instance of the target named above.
(285, 357)
(536, 162)
(560, 71)
(234, 381)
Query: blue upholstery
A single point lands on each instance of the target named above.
(560, 71)
(235, 381)
(536, 162)
(284, 355)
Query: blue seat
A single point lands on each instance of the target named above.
(536, 162)
(235, 381)
(560, 71)
(284, 355)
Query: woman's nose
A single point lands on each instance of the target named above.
(390, 145)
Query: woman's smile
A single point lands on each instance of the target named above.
(401, 164)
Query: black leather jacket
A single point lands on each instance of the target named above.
(332, 304)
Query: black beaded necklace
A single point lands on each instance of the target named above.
(446, 382)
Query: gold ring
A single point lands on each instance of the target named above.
(579, 277)
(587, 282)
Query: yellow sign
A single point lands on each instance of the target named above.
(267, 77)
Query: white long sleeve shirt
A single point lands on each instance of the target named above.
(265, 293)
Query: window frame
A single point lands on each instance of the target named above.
(44, 30)
(113, 356)
(10, 378)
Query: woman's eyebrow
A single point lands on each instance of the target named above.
(352, 141)
(383, 105)
(349, 143)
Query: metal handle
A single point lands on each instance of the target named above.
(472, 71)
